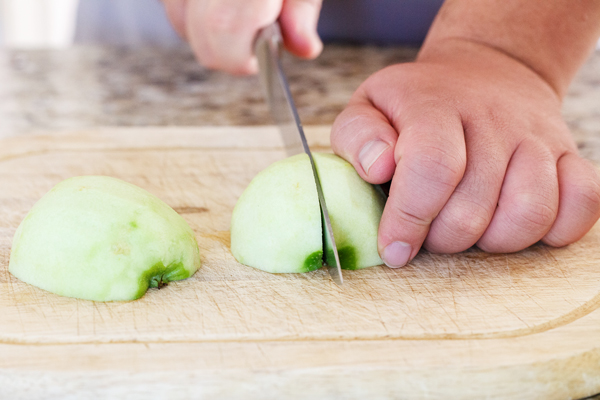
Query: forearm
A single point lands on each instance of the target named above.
(553, 38)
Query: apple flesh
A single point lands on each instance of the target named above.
(355, 209)
(277, 225)
(100, 238)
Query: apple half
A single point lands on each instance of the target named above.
(277, 225)
(100, 238)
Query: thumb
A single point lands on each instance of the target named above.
(298, 21)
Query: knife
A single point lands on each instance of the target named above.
(267, 48)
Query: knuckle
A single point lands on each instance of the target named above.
(551, 239)
(410, 217)
(240, 69)
(345, 125)
(468, 221)
(531, 212)
(555, 238)
(586, 194)
(210, 62)
(442, 166)
(221, 19)
(214, 62)
(583, 204)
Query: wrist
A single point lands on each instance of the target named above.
(552, 38)
(461, 53)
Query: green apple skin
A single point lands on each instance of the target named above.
(100, 238)
(277, 224)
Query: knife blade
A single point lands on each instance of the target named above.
(267, 48)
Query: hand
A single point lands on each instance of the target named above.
(477, 153)
(222, 32)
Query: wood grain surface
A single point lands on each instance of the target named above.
(466, 326)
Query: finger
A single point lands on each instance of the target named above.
(176, 10)
(363, 136)
(579, 206)
(299, 27)
(528, 201)
(468, 212)
(431, 159)
(222, 32)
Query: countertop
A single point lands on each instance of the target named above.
(90, 86)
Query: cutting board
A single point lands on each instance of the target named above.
(465, 326)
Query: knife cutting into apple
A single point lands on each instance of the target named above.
(284, 112)
(305, 208)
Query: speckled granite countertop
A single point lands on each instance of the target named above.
(90, 86)
(98, 86)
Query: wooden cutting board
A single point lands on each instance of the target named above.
(467, 326)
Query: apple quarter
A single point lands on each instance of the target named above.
(277, 225)
(100, 238)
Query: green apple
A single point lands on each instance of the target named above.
(277, 226)
(100, 238)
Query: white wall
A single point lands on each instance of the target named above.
(38, 23)
(1, 25)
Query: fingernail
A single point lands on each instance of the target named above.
(396, 254)
(370, 153)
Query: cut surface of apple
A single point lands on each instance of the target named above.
(100, 238)
(277, 225)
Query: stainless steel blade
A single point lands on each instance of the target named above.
(283, 109)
